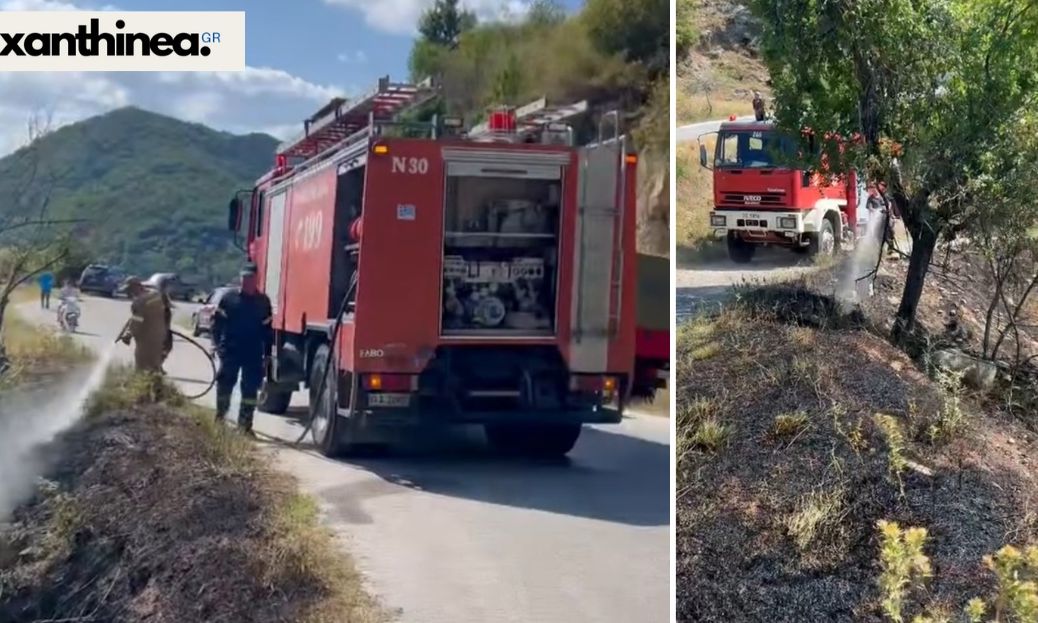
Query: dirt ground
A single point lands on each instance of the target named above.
(799, 427)
(154, 515)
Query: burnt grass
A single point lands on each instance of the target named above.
(747, 550)
(148, 519)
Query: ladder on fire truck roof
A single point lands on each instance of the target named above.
(532, 118)
(342, 118)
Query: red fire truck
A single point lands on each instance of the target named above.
(423, 275)
(759, 201)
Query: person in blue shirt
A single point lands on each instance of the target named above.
(46, 285)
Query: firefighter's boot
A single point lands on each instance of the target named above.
(223, 404)
(245, 419)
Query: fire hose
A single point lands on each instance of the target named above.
(324, 378)
(208, 355)
(331, 358)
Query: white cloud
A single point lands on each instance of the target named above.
(197, 106)
(401, 16)
(282, 131)
(252, 100)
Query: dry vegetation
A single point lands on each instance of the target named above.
(163, 516)
(800, 429)
(794, 441)
(36, 351)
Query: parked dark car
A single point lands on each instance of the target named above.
(202, 318)
(176, 288)
(101, 279)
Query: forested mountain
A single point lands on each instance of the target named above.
(151, 190)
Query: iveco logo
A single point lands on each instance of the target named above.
(752, 198)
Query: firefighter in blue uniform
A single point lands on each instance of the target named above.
(243, 338)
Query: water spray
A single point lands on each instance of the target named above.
(33, 418)
(855, 284)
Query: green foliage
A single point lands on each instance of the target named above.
(426, 59)
(685, 32)
(936, 91)
(546, 13)
(151, 190)
(440, 29)
(896, 444)
(950, 419)
(637, 29)
(561, 58)
(444, 22)
(125, 389)
(903, 564)
(1016, 573)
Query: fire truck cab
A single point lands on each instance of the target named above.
(422, 275)
(758, 200)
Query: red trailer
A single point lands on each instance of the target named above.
(652, 334)
(421, 275)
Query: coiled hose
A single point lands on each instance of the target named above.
(212, 364)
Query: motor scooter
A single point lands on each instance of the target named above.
(68, 315)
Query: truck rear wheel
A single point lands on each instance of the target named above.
(274, 399)
(537, 440)
(328, 431)
(739, 250)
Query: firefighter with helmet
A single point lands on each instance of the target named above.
(243, 338)
(149, 326)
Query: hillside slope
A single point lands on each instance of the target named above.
(718, 69)
(151, 189)
(720, 66)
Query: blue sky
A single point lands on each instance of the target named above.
(300, 53)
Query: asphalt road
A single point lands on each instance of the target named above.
(704, 287)
(447, 533)
(693, 131)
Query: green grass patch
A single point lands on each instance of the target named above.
(34, 350)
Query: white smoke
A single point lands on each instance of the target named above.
(32, 418)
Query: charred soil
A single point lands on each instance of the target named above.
(158, 515)
(799, 427)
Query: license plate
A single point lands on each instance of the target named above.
(389, 400)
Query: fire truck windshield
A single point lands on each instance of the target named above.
(752, 149)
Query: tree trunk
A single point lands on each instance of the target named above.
(924, 241)
(4, 362)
